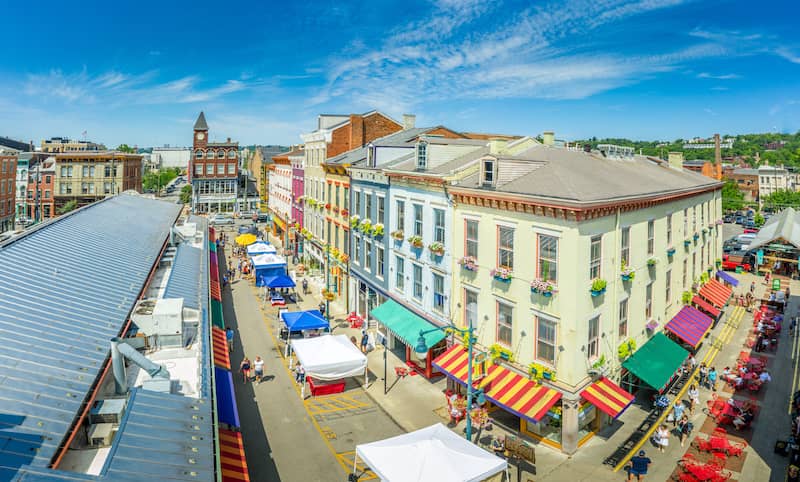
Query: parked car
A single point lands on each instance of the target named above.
(728, 218)
(753, 230)
(262, 217)
(737, 259)
(252, 229)
(740, 219)
(749, 224)
(221, 219)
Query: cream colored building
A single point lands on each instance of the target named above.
(63, 144)
(88, 176)
(567, 217)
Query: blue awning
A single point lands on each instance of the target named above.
(728, 278)
(304, 320)
(280, 281)
(227, 412)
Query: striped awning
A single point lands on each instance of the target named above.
(716, 293)
(690, 325)
(515, 393)
(231, 457)
(727, 277)
(608, 397)
(705, 306)
(215, 291)
(213, 266)
(220, 344)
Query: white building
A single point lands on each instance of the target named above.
(772, 178)
(171, 157)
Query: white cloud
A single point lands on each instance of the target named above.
(788, 55)
(706, 75)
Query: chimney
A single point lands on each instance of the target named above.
(717, 150)
(409, 121)
(497, 145)
(548, 138)
(676, 160)
(356, 133)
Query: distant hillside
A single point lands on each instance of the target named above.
(746, 146)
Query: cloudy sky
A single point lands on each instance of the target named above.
(139, 72)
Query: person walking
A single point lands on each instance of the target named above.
(694, 398)
(677, 412)
(299, 373)
(661, 438)
(229, 337)
(638, 466)
(258, 364)
(712, 379)
(753, 287)
(703, 372)
(684, 429)
(364, 341)
(244, 367)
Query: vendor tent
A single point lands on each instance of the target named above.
(280, 281)
(432, 453)
(784, 226)
(260, 247)
(267, 266)
(300, 321)
(329, 357)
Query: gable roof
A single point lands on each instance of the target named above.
(783, 226)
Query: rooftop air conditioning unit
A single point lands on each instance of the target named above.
(107, 411)
(100, 435)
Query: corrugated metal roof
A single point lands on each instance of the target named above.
(66, 288)
(184, 281)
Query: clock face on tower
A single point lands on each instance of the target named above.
(200, 136)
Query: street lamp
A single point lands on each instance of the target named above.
(421, 349)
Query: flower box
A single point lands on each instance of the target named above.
(545, 288)
(345, 212)
(416, 242)
(398, 235)
(365, 226)
(468, 263)
(627, 274)
(436, 248)
(696, 236)
(651, 262)
(354, 220)
(686, 243)
(328, 206)
(501, 274)
(670, 251)
(651, 325)
(377, 230)
(598, 287)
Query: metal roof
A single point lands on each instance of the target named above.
(784, 226)
(184, 281)
(66, 288)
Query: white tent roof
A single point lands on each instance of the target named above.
(432, 453)
(260, 247)
(329, 357)
(268, 260)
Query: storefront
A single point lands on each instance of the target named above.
(689, 327)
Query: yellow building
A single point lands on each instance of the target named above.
(86, 176)
(531, 233)
(63, 144)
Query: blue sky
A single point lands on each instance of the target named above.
(139, 72)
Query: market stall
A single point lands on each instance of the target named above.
(656, 363)
(329, 359)
(431, 453)
(266, 266)
(260, 247)
(301, 321)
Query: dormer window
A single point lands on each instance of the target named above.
(488, 172)
(422, 155)
(198, 154)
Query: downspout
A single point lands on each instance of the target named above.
(121, 350)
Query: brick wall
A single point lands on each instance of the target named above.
(360, 131)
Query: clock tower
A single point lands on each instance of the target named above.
(200, 132)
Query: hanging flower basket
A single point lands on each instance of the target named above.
(328, 295)
(598, 286)
(468, 263)
(398, 235)
(696, 236)
(627, 273)
(670, 251)
(651, 262)
(328, 206)
(354, 220)
(416, 242)
(501, 274)
(545, 288)
(336, 209)
(377, 230)
(686, 243)
(436, 248)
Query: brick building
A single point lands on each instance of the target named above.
(40, 200)
(747, 180)
(87, 176)
(213, 171)
(8, 176)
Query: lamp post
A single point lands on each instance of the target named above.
(421, 350)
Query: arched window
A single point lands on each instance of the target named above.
(221, 154)
(232, 154)
(198, 154)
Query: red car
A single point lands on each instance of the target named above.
(750, 230)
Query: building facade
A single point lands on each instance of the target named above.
(213, 172)
(534, 230)
(87, 176)
(280, 195)
(772, 179)
(64, 144)
(8, 189)
(21, 187)
(176, 157)
(747, 181)
(40, 204)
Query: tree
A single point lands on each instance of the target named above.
(155, 180)
(186, 194)
(782, 199)
(758, 220)
(126, 148)
(732, 197)
(69, 206)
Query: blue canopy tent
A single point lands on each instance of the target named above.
(280, 281)
(268, 266)
(302, 320)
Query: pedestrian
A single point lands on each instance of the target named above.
(792, 324)
(712, 379)
(322, 308)
(299, 373)
(229, 337)
(661, 438)
(364, 341)
(692, 362)
(677, 412)
(694, 398)
(703, 375)
(684, 429)
(258, 364)
(244, 367)
(753, 287)
(638, 466)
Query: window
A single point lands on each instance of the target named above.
(198, 154)
(106, 188)
(368, 205)
(648, 301)
(651, 234)
(47, 194)
(48, 179)
(505, 323)
(623, 318)
(470, 308)
(702, 216)
(593, 342)
(488, 172)
(335, 200)
(330, 192)
(595, 253)
(66, 171)
(84, 188)
(357, 249)
(669, 229)
(548, 258)
(231, 154)
(438, 293)
(694, 264)
(686, 223)
(85, 171)
(381, 209)
(417, 219)
(220, 168)
(336, 237)
(546, 340)
(694, 218)
(438, 225)
(685, 272)
(505, 247)
(367, 254)
(668, 291)
(221, 154)
(380, 261)
(400, 271)
(401, 215)
(471, 245)
(357, 201)
(417, 281)
(198, 169)
(422, 155)
(209, 168)
(232, 169)
(346, 202)
(625, 252)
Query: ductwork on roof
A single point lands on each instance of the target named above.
(121, 350)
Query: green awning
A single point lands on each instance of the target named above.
(216, 314)
(656, 361)
(212, 246)
(405, 324)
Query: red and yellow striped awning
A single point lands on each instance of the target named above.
(231, 457)
(608, 397)
(220, 344)
(716, 293)
(215, 291)
(515, 393)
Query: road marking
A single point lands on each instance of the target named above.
(348, 457)
(726, 335)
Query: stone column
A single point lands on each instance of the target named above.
(569, 424)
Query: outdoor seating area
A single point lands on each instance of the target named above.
(696, 470)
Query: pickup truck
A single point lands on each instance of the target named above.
(731, 261)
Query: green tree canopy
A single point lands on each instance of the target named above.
(732, 197)
(186, 194)
(69, 206)
(155, 180)
(126, 148)
(782, 199)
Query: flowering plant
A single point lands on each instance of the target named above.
(345, 212)
(599, 284)
(468, 263)
(541, 286)
(627, 272)
(328, 206)
(365, 226)
(344, 258)
(354, 220)
(377, 230)
(398, 235)
(652, 261)
(436, 248)
(416, 241)
(501, 273)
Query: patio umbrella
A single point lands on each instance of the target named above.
(246, 239)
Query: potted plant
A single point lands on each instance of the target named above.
(436, 248)
(398, 235)
(696, 236)
(416, 242)
(670, 251)
(501, 273)
(354, 220)
(598, 286)
(345, 212)
(545, 288)
(651, 262)
(627, 273)
(687, 242)
(365, 226)
(686, 297)
(468, 263)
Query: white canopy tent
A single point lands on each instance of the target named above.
(431, 453)
(329, 357)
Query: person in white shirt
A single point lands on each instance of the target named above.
(258, 364)
(764, 377)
